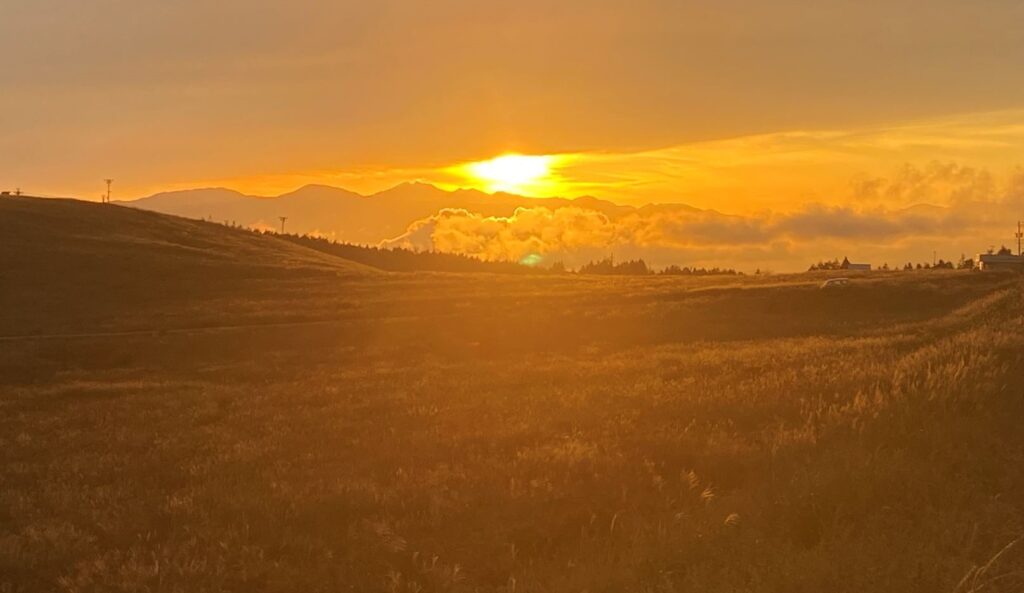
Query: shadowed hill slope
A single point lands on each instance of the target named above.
(74, 260)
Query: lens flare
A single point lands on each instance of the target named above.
(531, 260)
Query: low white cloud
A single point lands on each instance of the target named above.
(682, 235)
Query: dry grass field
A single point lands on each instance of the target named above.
(188, 408)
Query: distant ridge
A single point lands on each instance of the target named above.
(351, 217)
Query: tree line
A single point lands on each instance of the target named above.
(638, 267)
(399, 259)
(965, 263)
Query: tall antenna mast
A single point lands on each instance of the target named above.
(109, 183)
(283, 219)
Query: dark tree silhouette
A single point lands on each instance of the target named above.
(407, 260)
(828, 265)
(675, 270)
(608, 266)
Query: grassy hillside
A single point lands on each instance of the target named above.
(68, 264)
(486, 433)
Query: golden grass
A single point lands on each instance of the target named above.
(507, 445)
(301, 431)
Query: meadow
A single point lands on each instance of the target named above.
(183, 422)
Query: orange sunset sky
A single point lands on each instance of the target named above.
(751, 108)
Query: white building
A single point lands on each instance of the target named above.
(995, 261)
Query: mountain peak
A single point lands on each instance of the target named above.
(407, 185)
(201, 191)
(411, 189)
(319, 190)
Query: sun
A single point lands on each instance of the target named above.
(513, 173)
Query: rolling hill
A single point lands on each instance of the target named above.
(100, 264)
(283, 420)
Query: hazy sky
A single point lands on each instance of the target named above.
(660, 100)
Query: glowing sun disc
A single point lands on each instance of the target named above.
(511, 172)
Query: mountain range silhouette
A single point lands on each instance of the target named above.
(348, 216)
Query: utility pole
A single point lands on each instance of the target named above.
(109, 182)
(1020, 235)
(17, 192)
(283, 219)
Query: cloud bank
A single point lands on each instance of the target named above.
(978, 213)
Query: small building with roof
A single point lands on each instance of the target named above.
(1000, 261)
(847, 265)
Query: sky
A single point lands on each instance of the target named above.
(738, 105)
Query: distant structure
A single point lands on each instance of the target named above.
(1004, 259)
(846, 265)
(106, 198)
(998, 261)
(283, 219)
